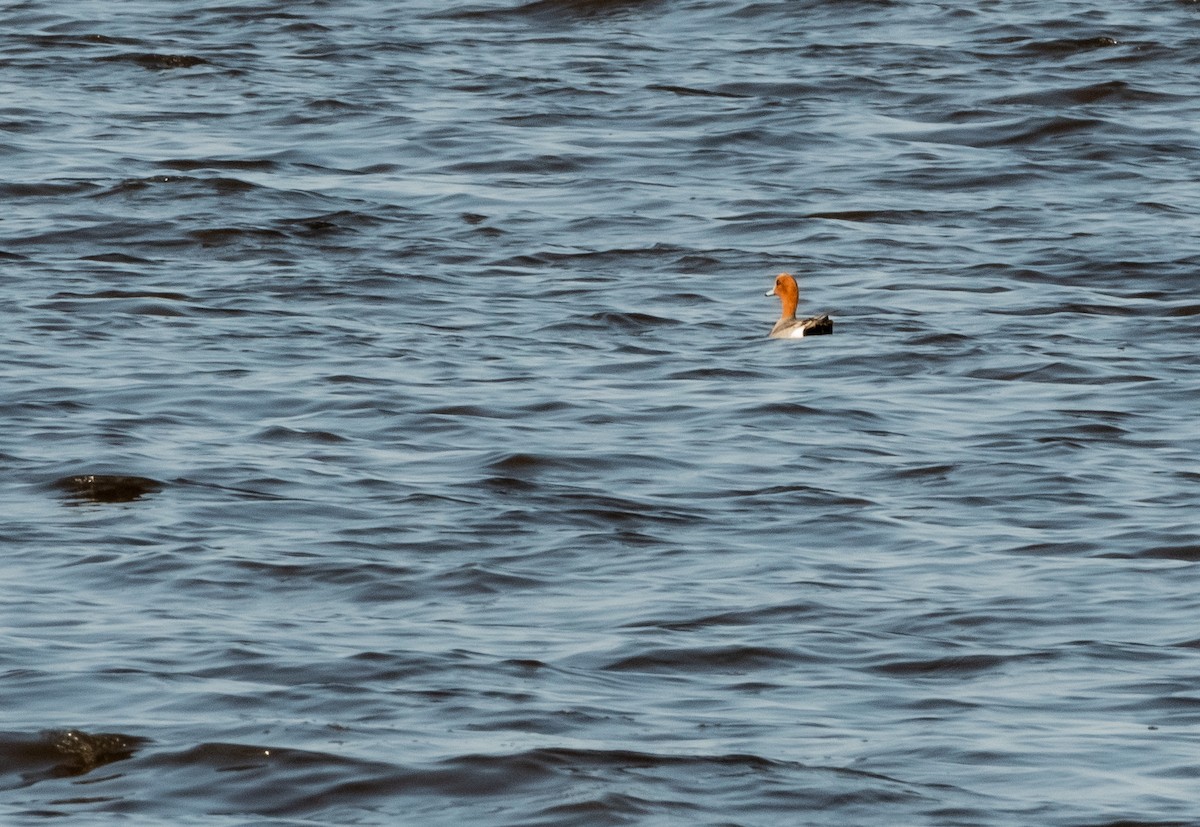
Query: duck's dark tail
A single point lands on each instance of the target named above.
(818, 325)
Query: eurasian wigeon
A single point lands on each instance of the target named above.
(788, 326)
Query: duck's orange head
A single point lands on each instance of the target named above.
(787, 291)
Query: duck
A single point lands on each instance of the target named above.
(788, 326)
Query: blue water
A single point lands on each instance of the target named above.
(473, 491)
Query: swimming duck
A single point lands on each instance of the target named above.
(788, 326)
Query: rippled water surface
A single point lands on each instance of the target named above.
(466, 486)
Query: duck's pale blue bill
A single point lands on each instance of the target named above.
(770, 292)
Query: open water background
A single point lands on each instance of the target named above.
(486, 501)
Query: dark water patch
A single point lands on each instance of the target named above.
(1113, 91)
(179, 187)
(480, 580)
(1058, 371)
(942, 340)
(1136, 822)
(951, 667)
(526, 665)
(1063, 47)
(522, 464)
(376, 582)
(268, 780)
(241, 491)
(772, 90)
(790, 613)
(79, 41)
(131, 305)
(782, 409)
(603, 511)
(687, 91)
(1127, 310)
(765, 218)
(229, 186)
(333, 784)
(540, 165)
(247, 164)
(124, 294)
(878, 216)
(481, 411)
(1099, 431)
(45, 189)
(612, 323)
(106, 488)
(493, 411)
(1065, 547)
(61, 753)
(608, 809)
(1025, 132)
(505, 486)
(693, 264)
(351, 379)
(795, 494)
(529, 466)
(1186, 553)
(117, 258)
(982, 181)
(358, 670)
(157, 62)
(745, 140)
(331, 105)
(716, 659)
(1157, 207)
(631, 256)
(230, 236)
(713, 373)
(565, 11)
(1095, 414)
(342, 221)
(924, 472)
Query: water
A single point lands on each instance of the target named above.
(475, 492)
